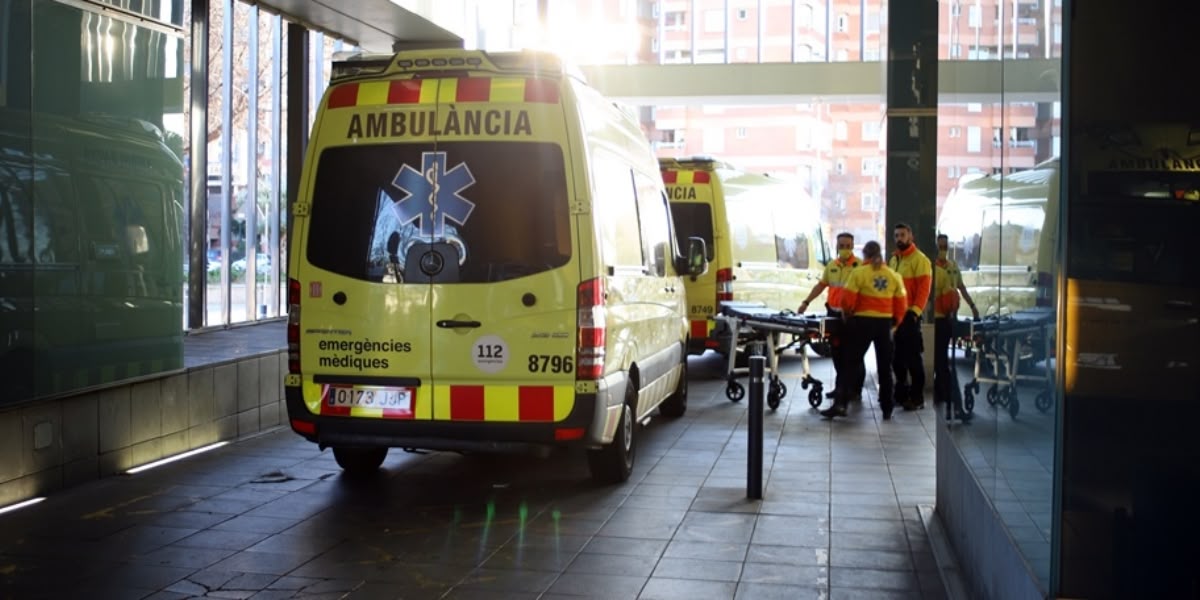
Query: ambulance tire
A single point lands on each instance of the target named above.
(614, 462)
(359, 462)
(676, 404)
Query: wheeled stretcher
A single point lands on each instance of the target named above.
(1002, 345)
(755, 324)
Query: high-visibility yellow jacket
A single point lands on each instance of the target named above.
(946, 279)
(917, 272)
(837, 273)
(875, 291)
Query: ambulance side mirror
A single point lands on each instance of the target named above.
(697, 258)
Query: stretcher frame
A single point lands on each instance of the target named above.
(754, 325)
(998, 341)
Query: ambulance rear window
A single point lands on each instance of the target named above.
(693, 220)
(492, 210)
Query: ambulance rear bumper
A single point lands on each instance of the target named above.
(581, 427)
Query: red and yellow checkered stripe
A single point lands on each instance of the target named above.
(490, 403)
(450, 90)
(686, 177)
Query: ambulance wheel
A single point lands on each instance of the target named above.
(1042, 402)
(359, 461)
(614, 462)
(676, 404)
(814, 397)
(734, 391)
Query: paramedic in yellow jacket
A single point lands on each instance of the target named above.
(947, 284)
(917, 272)
(873, 304)
(837, 272)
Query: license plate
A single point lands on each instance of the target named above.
(369, 397)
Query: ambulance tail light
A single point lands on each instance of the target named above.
(293, 326)
(724, 285)
(701, 177)
(589, 350)
(1044, 286)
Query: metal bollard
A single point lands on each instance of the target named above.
(754, 454)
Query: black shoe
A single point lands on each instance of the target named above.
(857, 398)
(834, 411)
(832, 394)
(912, 405)
(887, 414)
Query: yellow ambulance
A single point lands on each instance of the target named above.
(1003, 233)
(483, 260)
(763, 234)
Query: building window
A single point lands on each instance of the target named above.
(675, 20)
(843, 23)
(872, 22)
(839, 130)
(1058, 33)
(973, 139)
(955, 9)
(804, 16)
(871, 54)
(974, 107)
(955, 50)
(870, 201)
(870, 131)
(741, 133)
(843, 55)
(803, 53)
(839, 201)
(870, 166)
(955, 131)
(714, 140)
(742, 14)
(952, 172)
(974, 18)
(839, 166)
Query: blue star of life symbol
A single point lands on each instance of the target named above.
(433, 194)
(881, 283)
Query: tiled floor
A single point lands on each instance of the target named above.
(272, 517)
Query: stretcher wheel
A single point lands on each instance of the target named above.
(1042, 402)
(1014, 405)
(993, 395)
(814, 397)
(968, 399)
(734, 391)
(773, 399)
(804, 383)
(782, 387)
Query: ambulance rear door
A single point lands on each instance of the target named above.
(691, 196)
(495, 208)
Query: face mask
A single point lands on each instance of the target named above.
(903, 245)
(845, 254)
(942, 254)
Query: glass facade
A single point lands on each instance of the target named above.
(91, 198)
(999, 208)
(94, 168)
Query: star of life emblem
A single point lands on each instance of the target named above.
(880, 283)
(433, 195)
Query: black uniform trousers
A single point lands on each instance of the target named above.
(908, 363)
(862, 332)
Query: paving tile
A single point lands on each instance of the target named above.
(698, 569)
(659, 588)
(616, 587)
(774, 591)
(612, 564)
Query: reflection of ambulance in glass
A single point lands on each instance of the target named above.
(1133, 278)
(1003, 232)
(763, 234)
(483, 260)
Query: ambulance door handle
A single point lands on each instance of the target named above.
(452, 324)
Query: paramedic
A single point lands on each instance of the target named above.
(873, 303)
(835, 276)
(915, 269)
(947, 283)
